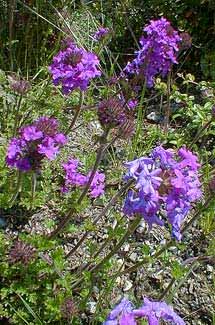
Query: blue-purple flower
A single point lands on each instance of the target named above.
(152, 311)
(35, 143)
(158, 52)
(166, 181)
(73, 68)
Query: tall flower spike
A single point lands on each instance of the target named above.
(158, 51)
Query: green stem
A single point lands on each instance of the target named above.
(168, 288)
(198, 134)
(135, 223)
(17, 190)
(77, 113)
(103, 213)
(168, 109)
(16, 122)
(33, 187)
(101, 248)
(140, 117)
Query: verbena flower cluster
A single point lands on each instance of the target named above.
(68, 309)
(157, 53)
(115, 113)
(35, 142)
(21, 252)
(74, 178)
(19, 86)
(73, 68)
(154, 312)
(101, 33)
(167, 183)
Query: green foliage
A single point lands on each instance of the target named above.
(34, 293)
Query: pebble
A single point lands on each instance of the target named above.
(210, 268)
(133, 257)
(91, 306)
(128, 285)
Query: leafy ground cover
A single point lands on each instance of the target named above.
(107, 181)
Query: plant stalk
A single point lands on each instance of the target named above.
(103, 213)
(77, 113)
(16, 122)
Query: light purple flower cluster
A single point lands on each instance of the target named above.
(166, 182)
(73, 67)
(35, 142)
(74, 178)
(157, 53)
(101, 33)
(125, 314)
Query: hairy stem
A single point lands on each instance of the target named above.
(129, 232)
(199, 133)
(77, 113)
(103, 213)
(16, 119)
(18, 188)
(168, 108)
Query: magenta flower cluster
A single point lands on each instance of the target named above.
(101, 33)
(73, 68)
(167, 183)
(154, 312)
(74, 178)
(158, 51)
(35, 142)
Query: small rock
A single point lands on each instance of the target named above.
(128, 285)
(92, 307)
(155, 117)
(210, 268)
(133, 257)
(126, 248)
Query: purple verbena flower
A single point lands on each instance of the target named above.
(97, 185)
(73, 178)
(31, 133)
(153, 311)
(48, 148)
(35, 143)
(73, 68)
(124, 307)
(159, 48)
(166, 181)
